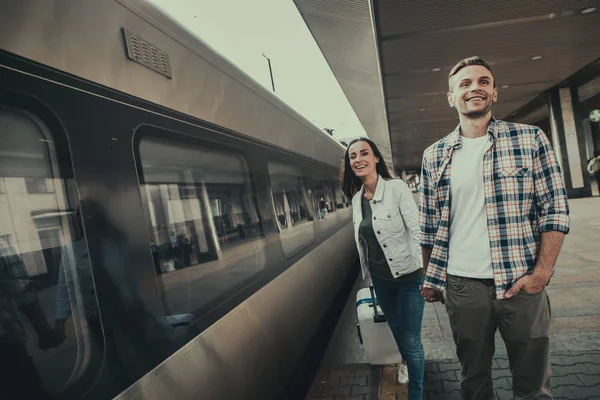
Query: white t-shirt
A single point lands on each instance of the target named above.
(469, 252)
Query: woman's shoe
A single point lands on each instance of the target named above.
(402, 374)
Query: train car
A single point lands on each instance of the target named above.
(160, 229)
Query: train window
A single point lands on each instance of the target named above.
(290, 202)
(205, 232)
(49, 326)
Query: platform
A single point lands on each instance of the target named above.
(575, 298)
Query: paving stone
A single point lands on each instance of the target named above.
(360, 381)
(502, 363)
(449, 367)
(594, 368)
(366, 370)
(581, 358)
(501, 373)
(584, 392)
(503, 394)
(451, 386)
(571, 369)
(591, 380)
(503, 383)
(557, 360)
(337, 390)
(563, 392)
(433, 387)
(364, 390)
(442, 376)
(445, 396)
(431, 367)
(387, 396)
(388, 376)
(567, 380)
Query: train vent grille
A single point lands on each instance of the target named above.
(147, 54)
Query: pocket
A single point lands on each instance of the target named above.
(456, 284)
(389, 214)
(513, 172)
(391, 220)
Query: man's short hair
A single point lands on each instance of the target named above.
(475, 60)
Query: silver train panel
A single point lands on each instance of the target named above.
(84, 38)
(251, 352)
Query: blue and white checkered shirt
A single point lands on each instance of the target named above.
(524, 196)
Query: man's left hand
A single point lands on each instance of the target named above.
(532, 283)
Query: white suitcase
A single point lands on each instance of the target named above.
(373, 331)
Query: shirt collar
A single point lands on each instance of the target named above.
(455, 140)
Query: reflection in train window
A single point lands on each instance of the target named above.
(324, 206)
(205, 232)
(48, 306)
(344, 212)
(291, 205)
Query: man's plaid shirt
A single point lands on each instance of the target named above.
(524, 196)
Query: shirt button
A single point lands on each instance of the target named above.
(389, 216)
(397, 273)
(374, 218)
(385, 245)
(390, 259)
(378, 232)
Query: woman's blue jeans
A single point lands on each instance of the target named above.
(403, 305)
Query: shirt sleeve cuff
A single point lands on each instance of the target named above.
(554, 222)
(426, 240)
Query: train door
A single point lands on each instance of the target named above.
(51, 340)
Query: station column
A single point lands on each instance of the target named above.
(568, 140)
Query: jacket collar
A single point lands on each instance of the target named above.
(378, 190)
(455, 140)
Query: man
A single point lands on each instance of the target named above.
(493, 215)
(323, 208)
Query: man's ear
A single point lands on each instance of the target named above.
(450, 99)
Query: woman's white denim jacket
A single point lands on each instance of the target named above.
(396, 226)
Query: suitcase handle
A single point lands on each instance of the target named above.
(376, 316)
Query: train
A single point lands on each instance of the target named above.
(162, 231)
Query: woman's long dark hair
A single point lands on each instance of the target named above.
(351, 183)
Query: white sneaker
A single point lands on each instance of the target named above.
(402, 374)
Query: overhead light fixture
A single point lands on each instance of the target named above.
(588, 10)
(505, 86)
(422, 109)
(436, 69)
(536, 58)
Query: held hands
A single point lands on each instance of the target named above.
(532, 284)
(48, 339)
(432, 295)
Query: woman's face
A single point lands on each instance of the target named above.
(362, 159)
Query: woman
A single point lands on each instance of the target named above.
(386, 229)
